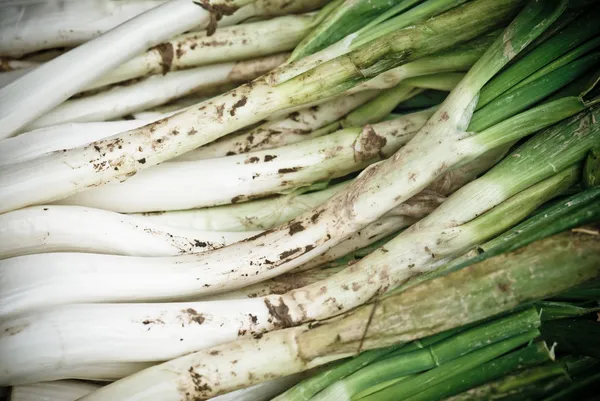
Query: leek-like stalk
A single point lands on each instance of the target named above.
(36, 143)
(557, 263)
(520, 383)
(376, 191)
(459, 58)
(52, 83)
(295, 127)
(153, 91)
(278, 285)
(64, 390)
(357, 385)
(261, 214)
(576, 33)
(345, 18)
(26, 28)
(571, 212)
(228, 320)
(561, 310)
(228, 44)
(63, 173)
(185, 185)
(174, 182)
(52, 228)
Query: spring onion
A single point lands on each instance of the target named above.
(153, 91)
(64, 173)
(55, 81)
(210, 372)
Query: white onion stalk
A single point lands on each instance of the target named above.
(153, 91)
(185, 185)
(63, 390)
(32, 144)
(278, 285)
(27, 27)
(227, 44)
(295, 127)
(438, 147)
(179, 327)
(261, 214)
(444, 234)
(52, 228)
(55, 81)
(553, 265)
(63, 173)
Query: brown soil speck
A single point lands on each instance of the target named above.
(165, 50)
(238, 104)
(288, 253)
(142, 161)
(289, 170)
(268, 158)
(194, 316)
(220, 109)
(280, 312)
(444, 116)
(368, 145)
(253, 319)
(296, 228)
(295, 116)
(252, 159)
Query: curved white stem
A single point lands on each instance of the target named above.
(153, 91)
(181, 327)
(185, 185)
(32, 144)
(26, 28)
(51, 228)
(295, 127)
(260, 214)
(227, 44)
(55, 81)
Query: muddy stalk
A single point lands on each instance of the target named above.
(53, 228)
(27, 28)
(194, 49)
(295, 127)
(438, 147)
(475, 213)
(66, 172)
(220, 321)
(54, 82)
(153, 91)
(557, 263)
(185, 185)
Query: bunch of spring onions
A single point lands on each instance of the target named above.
(259, 199)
